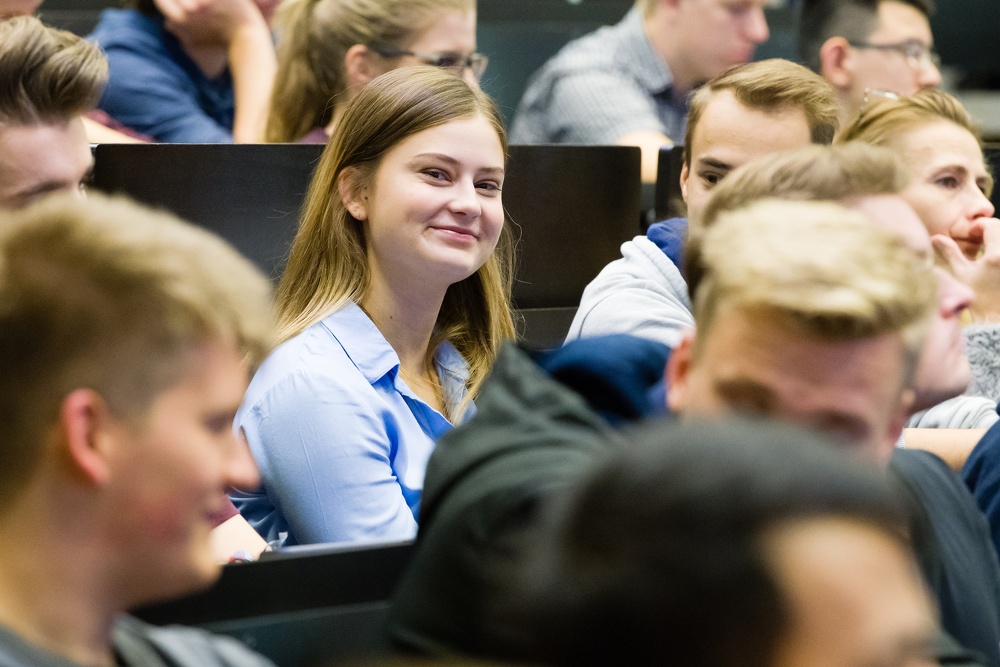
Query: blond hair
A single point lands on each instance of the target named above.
(825, 173)
(885, 121)
(821, 267)
(47, 76)
(771, 85)
(328, 267)
(314, 38)
(111, 296)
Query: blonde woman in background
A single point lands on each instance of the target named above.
(329, 49)
(949, 188)
(391, 312)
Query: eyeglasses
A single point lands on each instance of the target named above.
(875, 95)
(919, 55)
(475, 62)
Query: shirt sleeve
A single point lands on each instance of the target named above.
(157, 99)
(326, 456)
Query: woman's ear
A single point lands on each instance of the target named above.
(352, 194)
(361, 65)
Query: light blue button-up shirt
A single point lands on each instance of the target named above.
(342, 443)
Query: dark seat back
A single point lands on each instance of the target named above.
(299, 606)
(249, 194)
(668, 201)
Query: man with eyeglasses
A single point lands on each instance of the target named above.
(861, 46)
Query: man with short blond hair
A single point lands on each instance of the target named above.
(749, 111)
(125, 336)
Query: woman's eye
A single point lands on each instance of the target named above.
(949, 182)
(436, 174)
(489, 187)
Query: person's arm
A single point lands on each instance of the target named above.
(642, 294)
(234, 537)
(650, 144)
(953, 445)
(253, 65)
(238, 27)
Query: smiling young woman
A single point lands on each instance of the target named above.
(392, 308)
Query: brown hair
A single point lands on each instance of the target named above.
(328, 263)
(314, 38)
(47, 76)
(771, 85)
(108, 295)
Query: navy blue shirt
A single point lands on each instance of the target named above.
(155, 88)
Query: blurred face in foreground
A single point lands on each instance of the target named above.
(760, 364)
(854, 595)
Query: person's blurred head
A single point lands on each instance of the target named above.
(11, 8)
(950, 182)
(330, 49)
(745, 544)
(872, 180)
(749, 111)
(125, 339)
(806, 312)
(701, 39)
(331, 261)
(48, 79)
(861, 45)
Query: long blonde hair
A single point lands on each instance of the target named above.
(314, 36)
(328, 264)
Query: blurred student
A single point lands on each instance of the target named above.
(864, 47)
(745, 544)
(124, 342)
(329, 49)
(394, 303)
(629, 83)
(189, 72)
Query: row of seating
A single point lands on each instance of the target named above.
(571, 208)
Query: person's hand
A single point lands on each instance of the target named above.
(982, 274)
(209, 22)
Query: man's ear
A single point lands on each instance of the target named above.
(678, 371)
(685, 172)
(86, 423)
(896, 425)
(352, 194)
(360, 66)
(836, 65)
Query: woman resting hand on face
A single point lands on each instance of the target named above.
(391, 311)
(949, 189)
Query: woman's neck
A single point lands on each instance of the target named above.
(407, 319)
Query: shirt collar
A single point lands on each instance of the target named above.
(371, 352)
(653, 72)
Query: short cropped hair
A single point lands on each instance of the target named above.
(824, 269)
(110, 296)
(771, 85)
(820, 173)
(47, 76)
(667, 543)
(855, 20)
